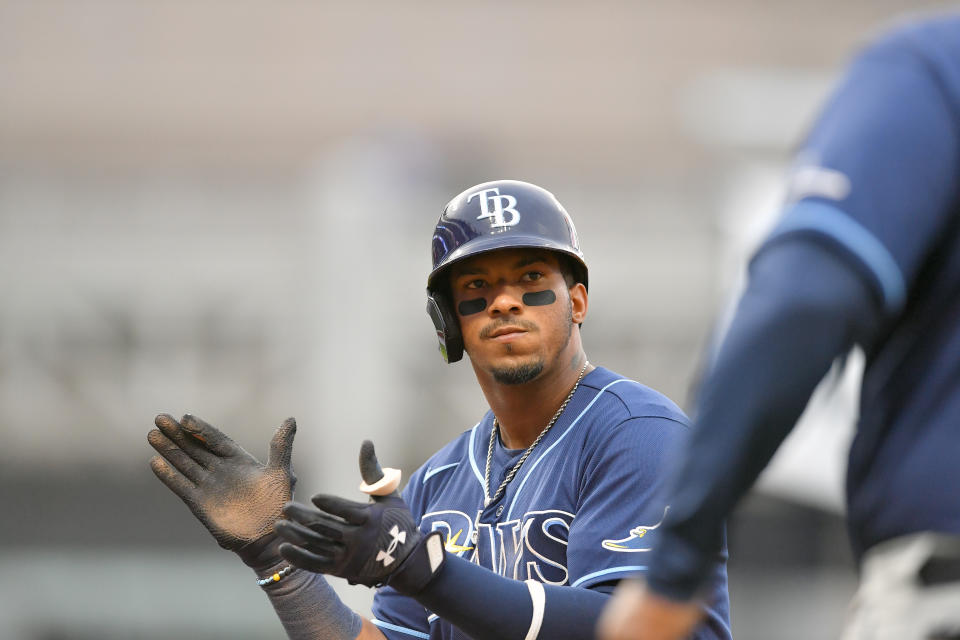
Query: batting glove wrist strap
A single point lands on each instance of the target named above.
(421, 566)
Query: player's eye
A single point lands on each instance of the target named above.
(531, 276)
(474, 284)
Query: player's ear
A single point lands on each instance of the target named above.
(578, 302)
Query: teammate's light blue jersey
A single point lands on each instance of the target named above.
(582, 511)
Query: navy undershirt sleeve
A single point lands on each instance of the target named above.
(804, 306)
(497, 608)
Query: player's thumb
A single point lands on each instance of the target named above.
(281, 445)
(378, 483)
(370, 469)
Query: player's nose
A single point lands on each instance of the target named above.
(506, 299)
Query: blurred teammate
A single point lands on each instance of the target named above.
(522, 525)
(867, 253)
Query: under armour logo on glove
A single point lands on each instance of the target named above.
(366, 543)
(397, 537)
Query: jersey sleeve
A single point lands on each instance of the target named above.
(877, 177)
(622, 501)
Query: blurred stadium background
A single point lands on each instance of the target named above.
(225, 208)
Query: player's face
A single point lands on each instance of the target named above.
(516, 312)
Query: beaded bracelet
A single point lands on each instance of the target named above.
(287, 570)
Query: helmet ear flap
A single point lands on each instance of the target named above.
(447, 326)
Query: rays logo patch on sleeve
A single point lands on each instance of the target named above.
(637, 540)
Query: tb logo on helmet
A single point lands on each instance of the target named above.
(501, 204)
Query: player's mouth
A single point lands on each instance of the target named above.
(507, 329)
(507, 334)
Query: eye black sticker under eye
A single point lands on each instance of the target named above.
(539, 298)
(470, 307)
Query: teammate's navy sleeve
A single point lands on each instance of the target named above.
(873, 190)
(803, 307)
(875, 180)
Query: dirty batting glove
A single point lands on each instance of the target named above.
(236, 497)
(371, 543)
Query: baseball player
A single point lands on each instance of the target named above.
(867, 253)
(518, 528)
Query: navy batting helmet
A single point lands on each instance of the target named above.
(503, 214)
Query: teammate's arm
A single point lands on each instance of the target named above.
(803, 308)
(238, 499)
(835, 271)
(883, 158)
